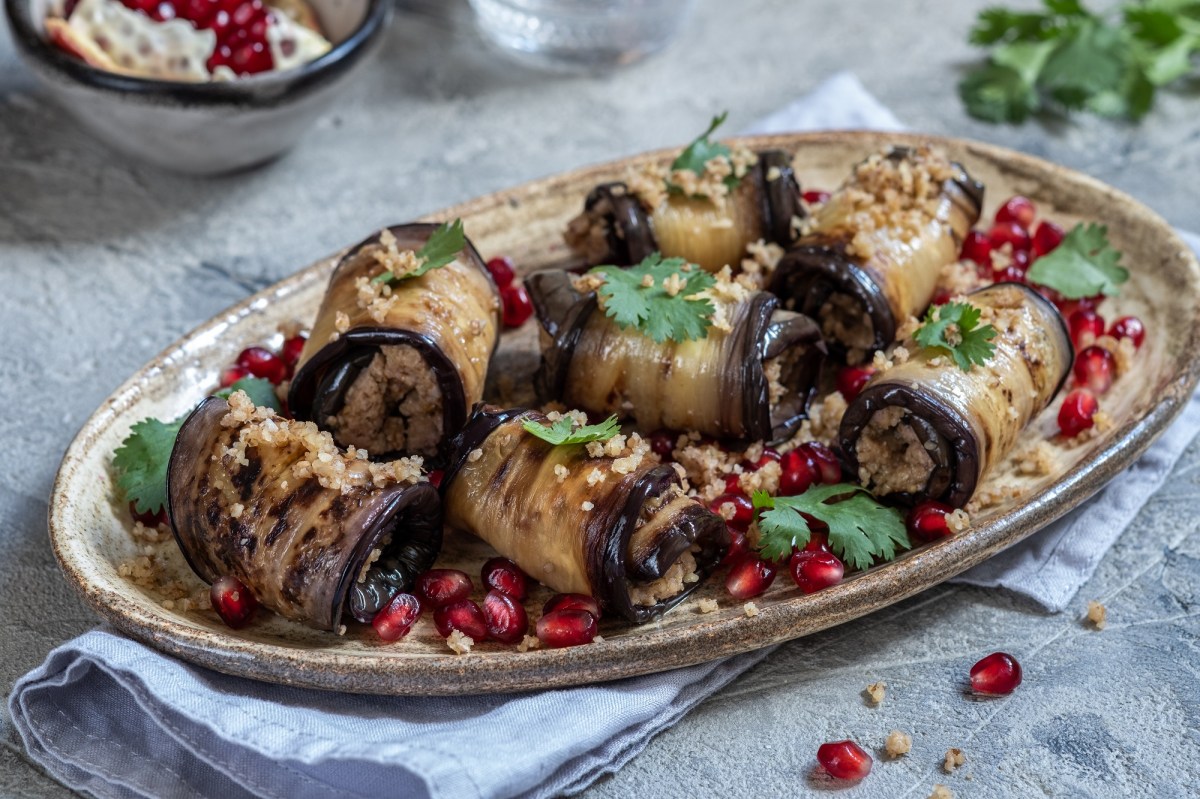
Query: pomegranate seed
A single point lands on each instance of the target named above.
(233, 602)
(1077, 412)
(397, 617)
(927, 520)
(263, 363)
(505, 617)
(817, 541)
(561, 628)
(941, 296)
(798, 473)
(845, 760)
(435, 477)
(737, 547)
(1094, 368)
(517, 305)
(232, 375)
(749, 577)
(440, 587)
(1018, 209)
(149, 519)
(464, 616)
(571, 602)
(1068, 307)
(240, 27)
(1047, 237)
(1009, 274)
(1021, 260)
(813, 571)
(662, 443)
(815, 196)
(502, 271)
(292, 347)
(733, 484)
(1058, 300)
(743, 511)
(505, 576)
(1009, 233)
(996, 675)
(1086, 326)
(1129, 327)
(825, 463)
(976, 247)
(851, 379)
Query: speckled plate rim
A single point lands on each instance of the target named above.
(651, 650)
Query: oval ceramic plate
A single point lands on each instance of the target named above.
(91, 533)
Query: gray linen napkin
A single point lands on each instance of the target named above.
(112, 718)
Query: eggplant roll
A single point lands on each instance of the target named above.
(578, 519)
(617, 228)
(925, 429)
(871, 255)
(396, 370)
(752, 381)
(252, 496)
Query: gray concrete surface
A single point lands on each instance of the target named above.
(104, 262)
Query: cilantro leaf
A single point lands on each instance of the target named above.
(701, 151)
(1083, 265)
(638, 297)
(442, 247)
(860, 529)
(260, 391)
(954, 327)
(141, 463)
(563, 431)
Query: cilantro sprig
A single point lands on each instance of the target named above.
(860, 529)
(954, 327)
(563, 431)
(657, 297)
(1085, 264)
(1067, 57)
(442, 246)
(700, 152)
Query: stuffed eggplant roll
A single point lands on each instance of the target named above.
(871, 255)
(600, 518)
(394, 367)
(313, 532)
(750, 378)
(927, 429)
(622, 223)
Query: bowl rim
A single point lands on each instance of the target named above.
(256, 90)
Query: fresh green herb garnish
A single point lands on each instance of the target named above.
(1068, 57)
(1083, 265)
(442, 246)
(141, 463)
(658, 298)
(701, 151)
(954, 327)
(260, 391)
(860, 529)
(563, 431)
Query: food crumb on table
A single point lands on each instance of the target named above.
(941, 792)
(707, 605)
(460, 642)
(897, 744)
(954, 759)
(750, 609)
(529, 642)
(875, 692)
(1097, 614)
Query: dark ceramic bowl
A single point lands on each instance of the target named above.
(202, 128)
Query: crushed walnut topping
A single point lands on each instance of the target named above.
(750, 609)
(707, 605)
(941, 792)
(958, 520)
(954, 759)
(459, 642)
(1097, 614)
(875, 692)
(897, 744)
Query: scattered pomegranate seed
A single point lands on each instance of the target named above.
(440, 587)
(1018, 209)
(798, 473)
(1009, 274)
(502, 271)
(845, 760)
(291, 349)
(817, 541)
(571, 602)
(662, 443)
(826, 464)
(815, 196)
(263, 363)
(505, 576)
(813, 571)
(233, 374)
(927, 520)
(851, 379)
(233, 602)
(517, 305)
(464, 616)
(749, 577)
(1077, 412)
(397, 617)
(737, 547)
(435, 477)
(976, 247)
(1129, 327)
(149, 519)
(505, 617)
(1095, 368)
(996, 675)
(1009, 233)
(1086, 326)
(743, 510)
(1047, 237)
(562, 628)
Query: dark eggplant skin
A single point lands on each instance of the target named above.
(960, 417)
(510, 496)
(721, 375)
(300, 549)
(439, 310)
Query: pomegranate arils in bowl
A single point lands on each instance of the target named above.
(735, 509)
(1129, 327)
(1095, 368)
(562, 628)
(233, 374)
(571, 602)
(147, 518)
(997, 674)
(749, 577)
(798, 473)
(1086, 326)
(233, 602)
(397, 617)
(927, 520)
(291, 349)
(1078, 412)
(976, 247)
(518, 307)
(505, 576)
(464, 616)
(814, 196)
(443, 586)
(814, 570)
(502, 271)
(506, 619)
(851, 379)
(825, 464)
(263, 363)
(1047, 237)
(1009, 233)
(1018, 209)
(845, 760)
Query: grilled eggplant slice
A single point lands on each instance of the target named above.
(398, 374)
(617, 228)
(873, 252)
(618, 528)
(926, 429)
(250, 496)
(750, 382)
